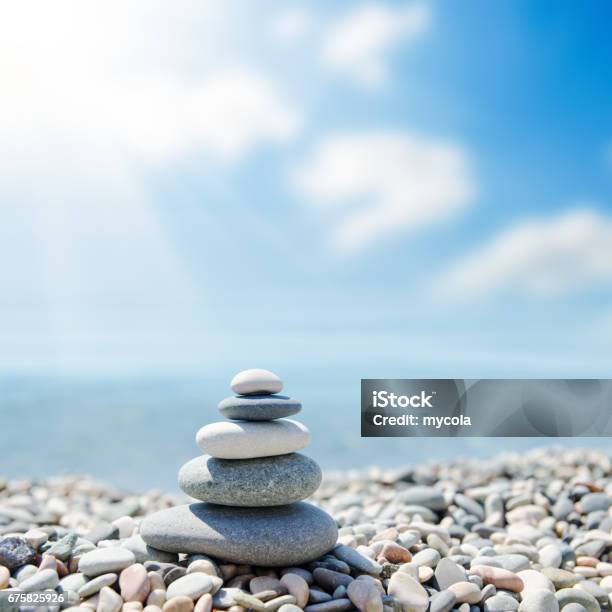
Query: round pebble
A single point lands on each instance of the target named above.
(5, 576)
(500, 603)
(134, 583)
(357, 560)
(539, 600)
(256, 381)
(296, 586)
(247, 440)
(42, 580)
(266, 481)
(391, 530)
(501, 578)
(408, 592)
(442, 601)
(109, 600)
(96, 584)
(105, 560)
(15, 552)
(569, 596)
(179, 604)
(466, 592)
(192, 585)
(204, 603)
(365, 596)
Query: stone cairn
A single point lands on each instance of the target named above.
(250, 482)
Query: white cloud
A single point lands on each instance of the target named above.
(79, 77)
(225, 115)
(291, 25)
(96, 99)
(543, 257)
(379, 183)
(358, 44)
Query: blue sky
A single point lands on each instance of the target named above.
(382, 189)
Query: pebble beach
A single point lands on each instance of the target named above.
(529, 532)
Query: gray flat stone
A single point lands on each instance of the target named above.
(62, 549)
(276, 536)
(423, 496)
(470, 505)
(593, 548)
(355, 559)
(563, 506)
(447, 573)
(513, 562)
(143, 552)
(43, 579)
(442, 601)
(330, 580)
(335, 605)
(569, 596)
(96, 584)
(258, 407)
(595, 501)
(601, 595)
(316, 596)
(266, 481)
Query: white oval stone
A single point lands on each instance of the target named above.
(105, 560)
(539, 600)
(192, 585)
(408, 592)
(534, 581)
(256, 381)
(248, 439)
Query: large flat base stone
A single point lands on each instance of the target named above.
(273, 536)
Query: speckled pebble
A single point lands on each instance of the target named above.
(265, 481)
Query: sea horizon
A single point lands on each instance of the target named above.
(136, 433)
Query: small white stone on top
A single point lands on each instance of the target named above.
(256, 382)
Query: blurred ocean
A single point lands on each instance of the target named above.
(137, 433)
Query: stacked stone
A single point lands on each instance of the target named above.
(250, 482)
